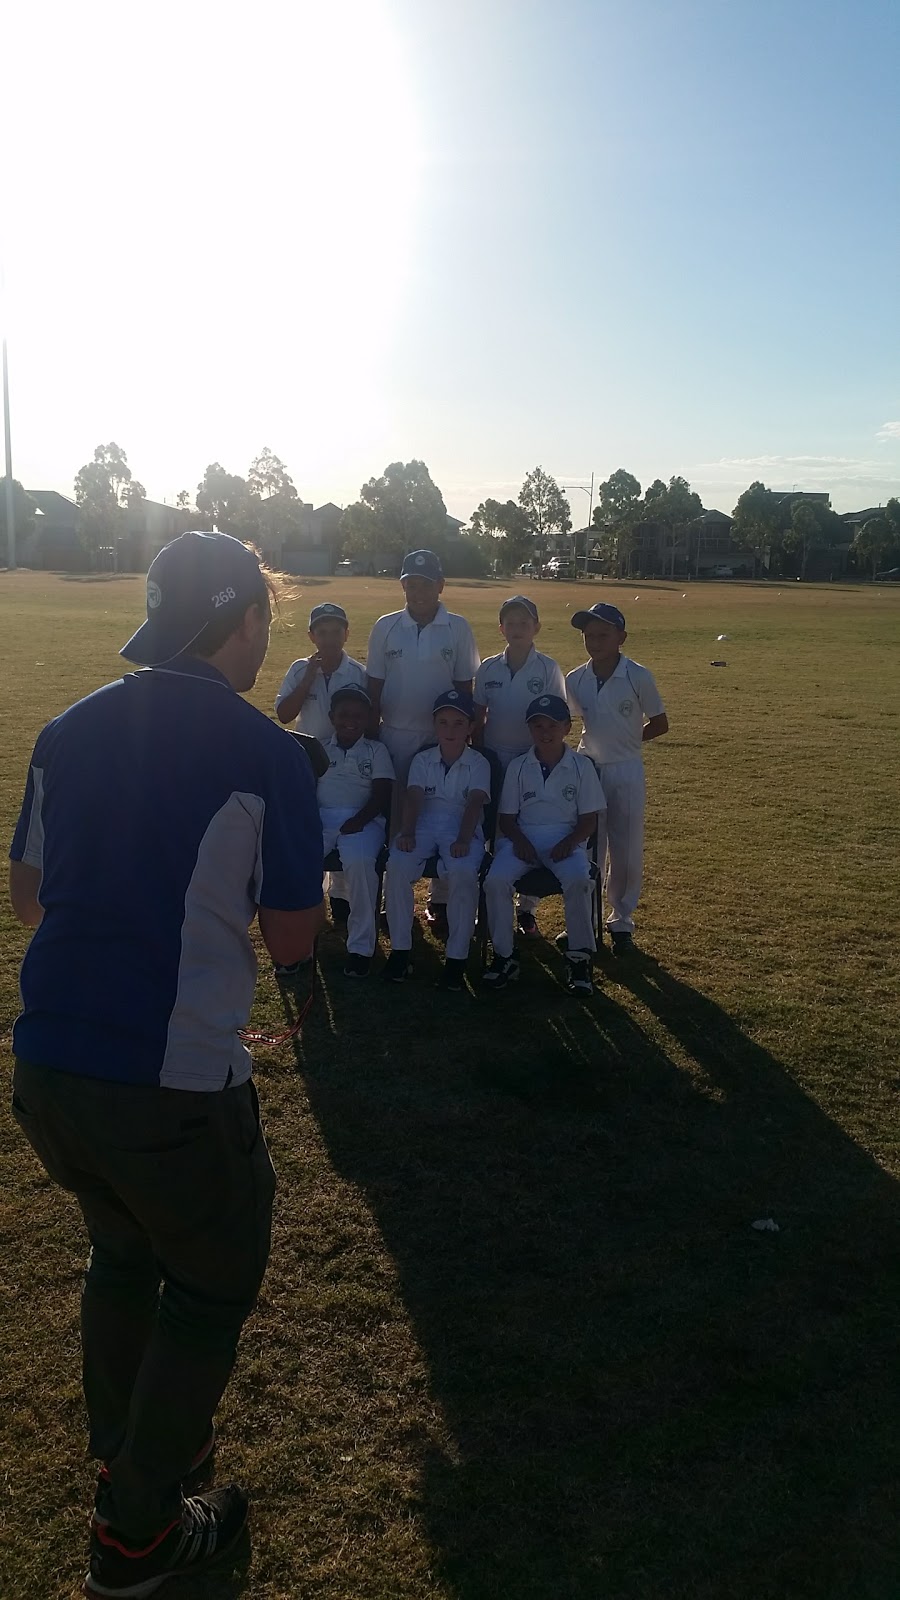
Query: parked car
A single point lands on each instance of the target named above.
(349, 569)
(892, 575)
(528, 570)
(722, 572)
(559, 568)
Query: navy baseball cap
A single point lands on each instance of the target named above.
(455, 700)
(319, 613)
(196, 579)
(549, 705)
(422, 564)
(606, 613)
(351, 691)
(523, 601)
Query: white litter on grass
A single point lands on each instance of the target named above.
(765, 1225)
(637, 597)
(720, 637)
(684, 596)
(718, 663)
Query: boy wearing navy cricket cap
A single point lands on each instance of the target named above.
(447, 789)
(310, 683)
(549, 808)
(505, 686)
(621, 710)
(354, 796)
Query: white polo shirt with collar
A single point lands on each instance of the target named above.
(351, 773)
(613, 712)
(417, 664)
(314, 718)
(507, 696)
(570, 790)
(447, 790)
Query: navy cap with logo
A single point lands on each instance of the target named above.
(519, 600)
(549, 705)
(196, 579)
(320, 613)
(455, 700)
(603, 611)
(350, 691)
(422, 564)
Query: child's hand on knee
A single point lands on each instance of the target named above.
(459, 848)
(406, 841)
(562, 851)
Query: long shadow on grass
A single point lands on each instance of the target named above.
(647, 1396)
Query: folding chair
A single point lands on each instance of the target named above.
(543, 884)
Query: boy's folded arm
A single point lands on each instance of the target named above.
(377, 804)
(655, 727)
(584, 828)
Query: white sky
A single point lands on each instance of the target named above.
(657, 234)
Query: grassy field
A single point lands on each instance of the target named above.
(518, 1338)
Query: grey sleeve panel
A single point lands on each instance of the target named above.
(33, 854)
(217, 969)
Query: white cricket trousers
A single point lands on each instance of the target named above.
(358, 853)
(459, 873)
(524, 902)
(573, 874)
(620, 839)
(403, 744)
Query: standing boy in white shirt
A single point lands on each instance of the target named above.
(621, 710)
(354, 796)
(505, 686)
(413, 656)
(549, 808)
(447, 789)
(311, 683)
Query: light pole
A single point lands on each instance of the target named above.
(587, 540)
(10, 504)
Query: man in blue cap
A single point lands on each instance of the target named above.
(413, 655)
(162, 814)
(621, 711)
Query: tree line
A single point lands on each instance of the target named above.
(404, 508)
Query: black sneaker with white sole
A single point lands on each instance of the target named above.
(357, 966)
(578, 972)
(398, 967)
(209, 1525)
(502, 971)
(623, 944)
(286, 974)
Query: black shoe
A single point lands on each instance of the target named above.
(399, 966)
(208, 1526)
(340, 912)
(199, 1472)
(357, 966)
(578, 972)
(622, 944)
(502, 970)
(453, 975)
(527, 924)
(286, 974)
(436, 917)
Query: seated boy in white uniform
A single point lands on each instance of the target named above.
(505, 686)
(447, 789)
(621, 710)
(354, 798)
(549, 808)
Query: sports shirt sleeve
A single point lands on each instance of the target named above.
(28, 838)
(573, 681)
(466, 658)
(289, 863)
(376, 666)
(481, 774)
(556, 683)
(291, 679)
(478, 694)
(382, 765)
(648, 695)
(418, 772)
(590, 789)
(509, 794)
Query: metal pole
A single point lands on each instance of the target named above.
(587, 542)
(10, 505)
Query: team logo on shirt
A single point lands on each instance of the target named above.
(569, 792)
(365, 768)
(447, 653)
(529, 794)
(626, 707)
(391, 655)
(429, 788)
(495, 683)
(535, 685)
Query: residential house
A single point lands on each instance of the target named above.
(55, 543)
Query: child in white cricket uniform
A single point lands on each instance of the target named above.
(353, 797)
(447, 789)
(505, 686)
(311, 683)
(549, 809)
(621, 710)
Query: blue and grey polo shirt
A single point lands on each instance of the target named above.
(161, 811)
